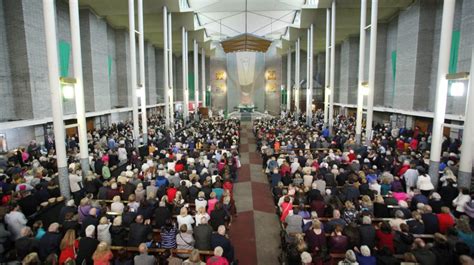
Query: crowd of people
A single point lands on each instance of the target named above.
(371, 204)
(172, 196)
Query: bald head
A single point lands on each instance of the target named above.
(93, 211)
(26, 231)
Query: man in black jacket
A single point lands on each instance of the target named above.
(367, 232)
(430, 220)
(28, 203)
(139, 231)
(91, 219)
(202, 235)
(49, 243)
(220, 239)
(26, 243)
(87, 246)
(162, 213)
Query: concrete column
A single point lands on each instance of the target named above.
(360, 94)
(308, 54)
(373, 54)
(165, 67)
(326, 72)
(288, 81)
(333, 59)
(133, 69)
(441, 88)
(170, 68)
(56, 95)
(297, 77)
(184, 58)
(309, 91)
(141, 65)
(79, 96)
(203, 77)
(186, 99)
(311, 63)
(465, 165)
(196, 79)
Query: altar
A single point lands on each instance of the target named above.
(244, 108)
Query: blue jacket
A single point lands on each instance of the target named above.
(363, 260)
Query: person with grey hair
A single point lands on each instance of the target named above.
(364, 256)
(306, 258)
(367, 232)
(398, 220)
(87, 246)
(350, 258)
(335, 220)
(217, 259)
(202, 235)
(26, 243)
(220, 239)
(144, 258)
(49, 243)
(422, 253)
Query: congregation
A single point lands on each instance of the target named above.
(364, 205)
(167, 202)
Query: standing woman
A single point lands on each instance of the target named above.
(211, 203)
(424, 183)
(316, 240)
(102, 254)
(68, 246)
(460, 201)
(228, 204)
(185, 219)
(385, 237)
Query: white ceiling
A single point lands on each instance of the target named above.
(226, 18)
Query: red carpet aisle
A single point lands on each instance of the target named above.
(255, 232)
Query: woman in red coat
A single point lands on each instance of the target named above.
(385, 237)
(445, 220)
(69, 245)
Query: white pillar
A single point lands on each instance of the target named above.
(185, 74)
(333, 66)
(308, 54)
(141, 67)
(441, 87)
(288, 81)
(309, 83)
(465, 165)
(326, 72)
(360, 95)
(373, 55)
(196, 79)
(79, 91)
(49, 12)
(165, 67)
(170, 69)
(311, 64)
(133, 69)
(297, 77)
(203, 77)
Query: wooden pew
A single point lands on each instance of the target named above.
(162, 250)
